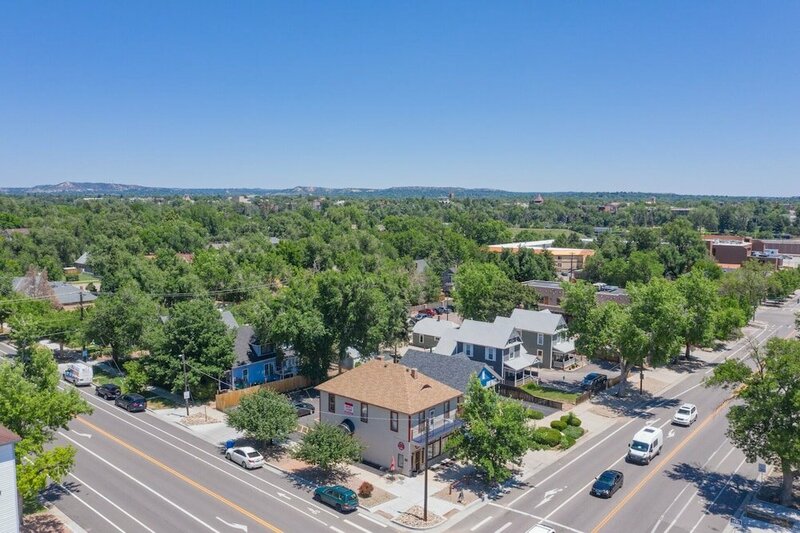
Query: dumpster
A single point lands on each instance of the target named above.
(230, 443)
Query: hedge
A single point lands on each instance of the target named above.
(547, 436)
(573, 432)
(566, 442)
(558, 424)
(533, 414)
(571, 420)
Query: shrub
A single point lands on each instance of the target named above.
(566, 442)
(547, 436)
(365, 490)
(558, 424)
(571, 419)
(533, 414)
(573, 432)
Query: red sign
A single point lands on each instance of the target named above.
(401, 446)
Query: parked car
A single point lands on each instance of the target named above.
(427, 312)
(686, 415)
(419, 316)
(109, 391)
(131, 402)
(304, 409)
(594, 382)
(441, 310)
(245, 456)
(607, 483)
(339, 497)
(78, 374)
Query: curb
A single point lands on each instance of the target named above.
(67, 521)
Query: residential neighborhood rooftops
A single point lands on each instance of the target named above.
(246, 347)
(538, 321)
(228, 319)
(391, 386)
(63, 293)
(453, 371)
(7, 436)
(493, 334)
(433, 327)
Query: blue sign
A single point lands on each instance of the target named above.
(485, 377)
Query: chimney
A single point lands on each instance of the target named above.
(414, 373)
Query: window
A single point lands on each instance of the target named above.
(447, 410)
(421, 339)
(490, 354)
(400, 461)
(331, 403)
(364, 412)
(539, 353)
(540, 339)
(393, 421)
(468, 349)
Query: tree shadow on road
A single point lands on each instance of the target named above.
(709, 484)
(633, 404)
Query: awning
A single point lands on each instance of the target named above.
(347, 426)
(564, 346)
(523, 361)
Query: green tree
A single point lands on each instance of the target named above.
(682, 248)
(33, 407)
(579, 300)
(701, 297)
(729, 319)
(135, 378)
(483, 292)
(327, 446)
(195, 329)
(265, 416)
(120, 320)
(495, 432)
(748, 284)
(764, 424)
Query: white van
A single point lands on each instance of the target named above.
(79, 374)
(646, 444)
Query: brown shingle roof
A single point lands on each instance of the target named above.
(7, 436)
(391, 386)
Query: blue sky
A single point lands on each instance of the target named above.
(682, 96)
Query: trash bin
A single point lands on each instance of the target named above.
(230, 444)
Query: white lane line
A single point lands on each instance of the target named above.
(504, 527)
(228, 464)
(337, 530)
(103, 496)
(697, 490)
(535, 517)
(226, 472)
(365, 517)
(482, 522)
(143, 485)
(98, 513)
(660, 518)
(346, 521)
(723, 489)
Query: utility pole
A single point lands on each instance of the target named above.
(185, 384)
(84, 355)
(641, 378)
(425, 506)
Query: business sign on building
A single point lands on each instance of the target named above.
(348, 408)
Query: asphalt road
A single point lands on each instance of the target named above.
(134, 473)
(695, 485)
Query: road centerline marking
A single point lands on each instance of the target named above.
(188, 480)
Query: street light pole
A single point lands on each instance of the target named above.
(425, 505)
(185, 384)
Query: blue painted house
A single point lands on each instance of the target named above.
(257, 363)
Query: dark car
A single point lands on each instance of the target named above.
(607, 484)
(304, 409)
(420, 316)
(339, 497)
(131, 402)
(594, 382)
(109, 391)
(442, 310)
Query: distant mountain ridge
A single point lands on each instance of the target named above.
(93, 189)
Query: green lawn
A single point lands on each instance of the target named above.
(550, 394)
(102, 377)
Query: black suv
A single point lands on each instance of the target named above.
(109, 391)
(594, 382)
(131, 402)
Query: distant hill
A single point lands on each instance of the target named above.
(92, 189)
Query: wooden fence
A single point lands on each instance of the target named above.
(228, 399)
